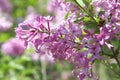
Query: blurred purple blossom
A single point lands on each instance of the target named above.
(6, 22)
(44, 58)
(5, 6)
(13, 47)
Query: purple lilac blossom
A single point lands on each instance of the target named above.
(111, 29)
(70, 41)
(60, 42)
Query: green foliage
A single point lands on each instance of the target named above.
(116, 44)
(87, 2)
(80, 2)
(69, 0)
(20, 7)
(67, 15)
(18, 67)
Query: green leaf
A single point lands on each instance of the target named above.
(67, 15)
(79, 19)
(28, 71)
(4, 37)
(80, 2)
(15, 65)
(69, 0)
(115, 43)
(90, 24)
(106, 50)
(87, 19)
(113, 66)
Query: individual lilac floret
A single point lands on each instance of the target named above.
(13, 47)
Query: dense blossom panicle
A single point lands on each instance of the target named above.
(68, 40)
(13, 47)
(110, 11)
(61, 42)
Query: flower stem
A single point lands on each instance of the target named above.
(115, 57)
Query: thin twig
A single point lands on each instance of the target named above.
(115, 57)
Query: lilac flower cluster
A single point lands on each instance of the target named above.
(70, 41)
(110, 14)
